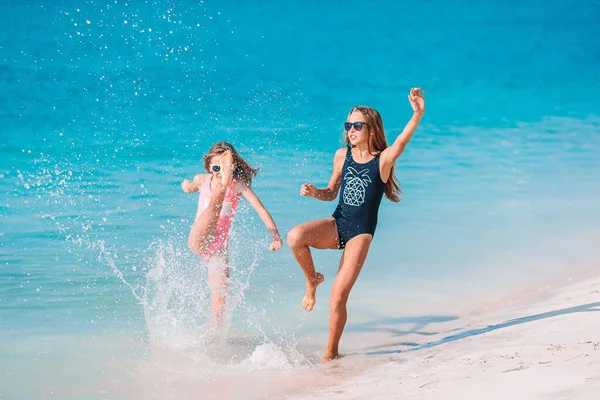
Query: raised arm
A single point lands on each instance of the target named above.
(265, 217)
(194, 185)
(331, 191)
(391, 154)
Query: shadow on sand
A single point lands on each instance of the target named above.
(422, 322)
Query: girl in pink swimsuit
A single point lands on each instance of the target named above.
(229, 178)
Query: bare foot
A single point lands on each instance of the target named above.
(226, 168)
(311, 289)
(328, 356)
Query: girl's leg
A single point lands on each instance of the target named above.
(351, 263)
(204, 229)
(320, 234)
(218, 280)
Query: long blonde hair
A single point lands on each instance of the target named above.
(242, 171)
(377, 143)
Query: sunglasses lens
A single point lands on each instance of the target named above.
(357, 126)
(215, 168)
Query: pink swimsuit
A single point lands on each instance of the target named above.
(230, 204)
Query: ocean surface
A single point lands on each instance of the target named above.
(106, 106)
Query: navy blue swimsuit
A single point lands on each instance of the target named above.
(361, 193)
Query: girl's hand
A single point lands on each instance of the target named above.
(417, 100)
(308, 190)
(276, 245)
(188, 186)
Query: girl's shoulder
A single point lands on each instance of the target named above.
(340, 157)
(341, 152)
(200, 178)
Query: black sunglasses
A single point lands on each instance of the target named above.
(215, 168)
(357, 126)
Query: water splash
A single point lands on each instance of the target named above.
(176, 304)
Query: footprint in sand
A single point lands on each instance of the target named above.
(557, 347)
(519, 368)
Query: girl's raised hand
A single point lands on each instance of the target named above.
(308, 190)
(416, 98)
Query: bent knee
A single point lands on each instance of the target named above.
(193, 245)
(196, 246)
(295, 237)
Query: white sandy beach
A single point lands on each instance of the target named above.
(542, 343)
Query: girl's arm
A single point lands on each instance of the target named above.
(265, 217)
(391, 154)
(193, 186)
(331, 191)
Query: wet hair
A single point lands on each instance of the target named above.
(242, 170)
(377, 143)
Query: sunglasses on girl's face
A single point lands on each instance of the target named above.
(357, 126)
(215, 168)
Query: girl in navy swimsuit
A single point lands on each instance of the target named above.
(364, 172)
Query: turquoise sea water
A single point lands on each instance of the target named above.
(106, 106)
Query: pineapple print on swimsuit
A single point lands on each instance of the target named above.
(362, 190)
(355, 188)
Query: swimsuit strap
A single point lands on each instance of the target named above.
(206, 183)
